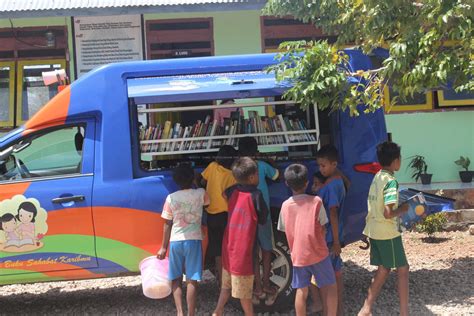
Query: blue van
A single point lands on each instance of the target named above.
(92, 167)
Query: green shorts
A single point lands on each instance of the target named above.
(388, 253)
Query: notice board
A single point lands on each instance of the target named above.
(100, 40)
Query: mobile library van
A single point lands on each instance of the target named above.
(83, 182)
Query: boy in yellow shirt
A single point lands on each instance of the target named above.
(382, 228)
(217, 177)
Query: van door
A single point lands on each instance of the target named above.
(46, 223)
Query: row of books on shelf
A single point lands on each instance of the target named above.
(234, 125)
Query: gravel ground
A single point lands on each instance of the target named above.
(441, 283)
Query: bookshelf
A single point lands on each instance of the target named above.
(208, 135)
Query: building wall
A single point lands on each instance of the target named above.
(236, 32)
(439, 136)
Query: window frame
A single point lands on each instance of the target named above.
(406, 107)
(19, 82)
(11, 106)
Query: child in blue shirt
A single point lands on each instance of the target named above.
(332, 193)
(248, 147)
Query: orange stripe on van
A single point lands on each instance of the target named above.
(54, 111)
(137, 228)
(7, 191)
(77, 221)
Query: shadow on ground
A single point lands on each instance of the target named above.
(427, 287)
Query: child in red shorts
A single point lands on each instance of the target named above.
(246, 208)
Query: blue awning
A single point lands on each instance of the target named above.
(199, 87)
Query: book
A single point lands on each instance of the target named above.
(213, 132)
(165, 135)
(417, 210)
(281, 126)
(185, 134)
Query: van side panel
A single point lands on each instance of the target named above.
(356, 139)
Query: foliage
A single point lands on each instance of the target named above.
(430, 44)
(432, 223)
(419, 166)
(463, 162)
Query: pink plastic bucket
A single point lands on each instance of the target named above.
(154, 274)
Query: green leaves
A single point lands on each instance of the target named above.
(431, 45)
(463, 162)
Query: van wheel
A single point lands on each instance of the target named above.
(280, 276)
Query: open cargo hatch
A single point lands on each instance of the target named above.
(197, 87)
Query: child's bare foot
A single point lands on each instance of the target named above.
(216, 313)
(365, 312)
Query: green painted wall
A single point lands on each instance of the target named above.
(236, 32)
(439, 136)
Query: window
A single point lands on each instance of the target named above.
(25, 52)
(53, 153)
(179, 38)
(278, 30)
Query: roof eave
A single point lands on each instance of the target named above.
(211, 7)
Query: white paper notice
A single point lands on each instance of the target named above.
(102, 40)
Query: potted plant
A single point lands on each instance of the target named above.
(419, 166)
(466, 175)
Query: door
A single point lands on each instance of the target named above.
(45, 203)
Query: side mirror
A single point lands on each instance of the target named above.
(20, 146)
(5, 153)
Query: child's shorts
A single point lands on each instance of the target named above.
(241, 286)
(388, 253)
(216, 224)
(265, 235)
(185, 257)
(323, 273)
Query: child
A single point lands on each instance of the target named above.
(302, 218)
(8, 224)
(183, 211)
(246, 208)
(318, 182)
(217, 177)
(386, 247)
(332, 193)
(248, 147)
(26, 216)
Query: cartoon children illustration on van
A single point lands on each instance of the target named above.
(21, 232)
(9, 225)
(26, 225)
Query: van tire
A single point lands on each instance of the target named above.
(280, 277)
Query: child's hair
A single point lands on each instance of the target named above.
(328, 152)
(248, 147)
(318, 175)
(226, 156)
(387, 152)
(5, 219)
(183, 176)
(243, 168)
(296, 176)
(29, 207)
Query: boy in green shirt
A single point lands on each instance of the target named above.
(382, 228)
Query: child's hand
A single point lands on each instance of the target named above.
(336, 248)
(161, 253)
